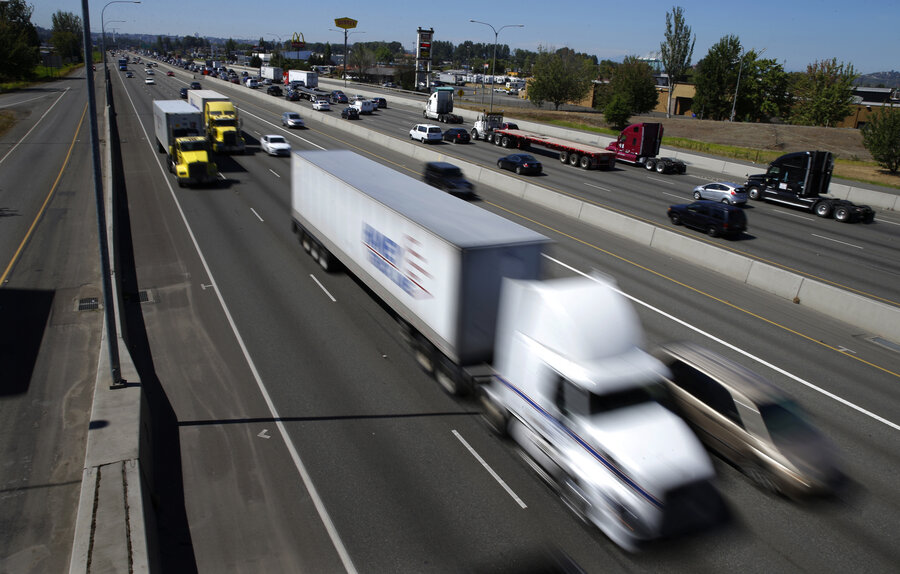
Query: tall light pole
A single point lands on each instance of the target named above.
(494, 64)
(103, 31)
(113, 29)
(346, 34)
(738, 85)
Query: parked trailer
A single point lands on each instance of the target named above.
(573, 153)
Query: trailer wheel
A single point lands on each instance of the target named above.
(325, 259)
(823, 208)
(564, 157)
(446, 374)
(650, 164)
(842, 213)
(584, 162)
(498, 141)
(573, 159)
(305, 241)
(505, 142)
(496, 416)
(754, 193)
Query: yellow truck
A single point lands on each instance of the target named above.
(179, 133)
(220, 118)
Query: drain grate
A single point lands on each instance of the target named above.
(88, 304)
(146, 296)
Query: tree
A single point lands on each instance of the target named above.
(561, 76)
(617, 111)
(716, 77)
(361, 58)
(66, 36)
(764, 91)
(881, 136)
(19, 41)
(824, 93)
(383, 54)
(676, 51)
(633, 81)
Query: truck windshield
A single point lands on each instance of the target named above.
(576, 400)
(193, 146)
(224, 123)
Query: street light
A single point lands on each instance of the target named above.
(494, 64)
(103, 30)
(113, 29)
(738, 85)
(346, 33)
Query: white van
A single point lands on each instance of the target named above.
(364, 106)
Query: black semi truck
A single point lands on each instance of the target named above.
(800, 180)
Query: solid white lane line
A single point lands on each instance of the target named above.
(836, 241)
(490, 470)
(256, 214)
(322, 287)
(737, 349)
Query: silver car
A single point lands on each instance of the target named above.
(291, 120)
(722, 191)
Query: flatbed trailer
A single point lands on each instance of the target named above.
(573, 153)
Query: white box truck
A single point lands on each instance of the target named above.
(559, 362)
(273, 73)
(310, 79)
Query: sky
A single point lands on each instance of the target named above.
(796, 33)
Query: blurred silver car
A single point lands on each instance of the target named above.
(750, 422)
(723, 191)
(291, 120)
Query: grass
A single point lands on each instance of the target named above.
(40, 75)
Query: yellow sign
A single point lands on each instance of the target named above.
(345, 23)
(298, 42)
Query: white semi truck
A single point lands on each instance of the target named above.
(440, 106)
(310, 79)
(559, 361)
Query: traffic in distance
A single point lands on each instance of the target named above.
(557, 366)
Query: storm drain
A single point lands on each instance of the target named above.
(145, 296)
(88, 304)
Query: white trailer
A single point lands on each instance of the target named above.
(273, 73)
(438, 261)
(173, 119)
(310, 79)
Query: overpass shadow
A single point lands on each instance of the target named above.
(23, 320)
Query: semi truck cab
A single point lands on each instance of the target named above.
(189, 161)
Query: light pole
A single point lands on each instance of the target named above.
(346, 34)
(738, 85)
(494, 64)
(113, 30)
(103, 31)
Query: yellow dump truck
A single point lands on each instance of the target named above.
(220, 118)
(180, 134)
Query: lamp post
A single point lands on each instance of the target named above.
(738, 85)
(494, 64)
(113, 30)
(346, 34)
(103, 31)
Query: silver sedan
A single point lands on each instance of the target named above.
(722, 191)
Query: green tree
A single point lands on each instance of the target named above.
(764, 92)
(327, 52)
(881, 136)
(824, 93)
(19, 42)
(66, 36)
(383, 54)
(633, 81)
(561, 76)
(676, 51)
(617, 111)
(716, 77)
(361, 58)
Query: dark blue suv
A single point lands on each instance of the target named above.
(710, 216)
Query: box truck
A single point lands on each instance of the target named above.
(179, 133)
(310, 79)
(559, 362)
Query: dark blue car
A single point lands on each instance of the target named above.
(520, 163)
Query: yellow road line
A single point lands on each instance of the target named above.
(40, 212)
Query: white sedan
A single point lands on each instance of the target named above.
(149, 81)
(275, 145)
(321, 105)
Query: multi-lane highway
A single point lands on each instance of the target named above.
(297, 434)
(308, 439)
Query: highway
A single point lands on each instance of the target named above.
(309, 440)
(48, 347)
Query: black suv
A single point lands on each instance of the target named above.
(712, 217)
(274, 90)
(447, 177)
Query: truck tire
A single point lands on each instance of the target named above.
(842, 213)
(498, 141)
(754, 193)
(661, 167)
(564, 157)
(505, 141)
(823, 208)
(447, 376)
(489, 137)
(305, 241)
(650, 164)
(584, 162)
(573, 159)
(474, 134)
(496, 416)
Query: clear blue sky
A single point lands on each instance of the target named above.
(794, 32)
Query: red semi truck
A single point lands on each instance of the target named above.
(638, 144)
